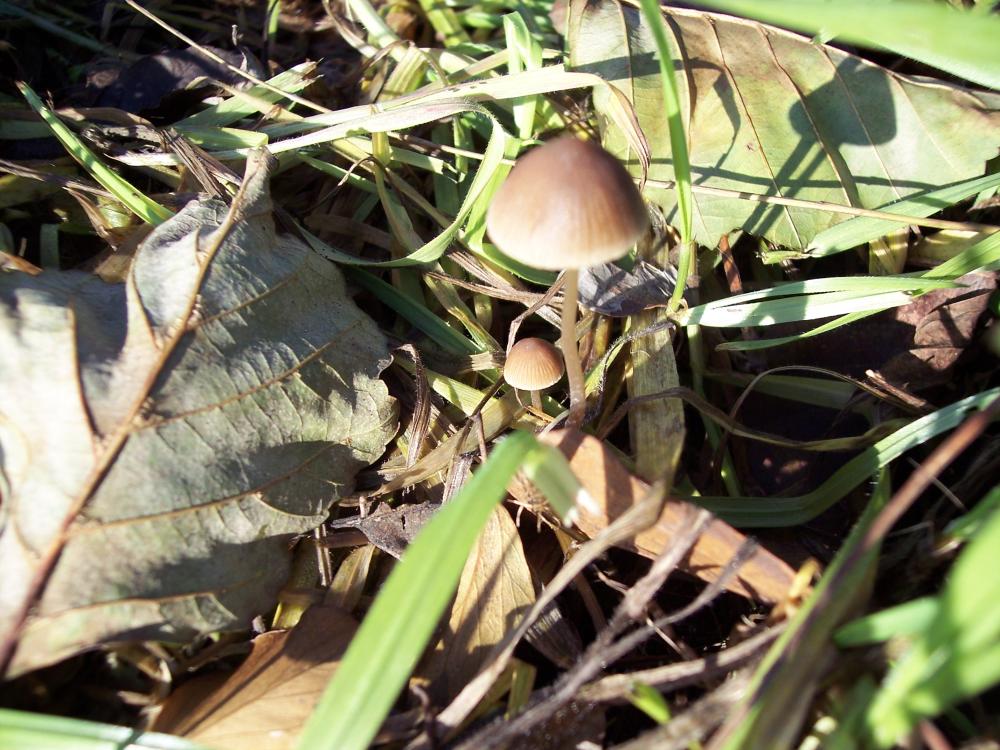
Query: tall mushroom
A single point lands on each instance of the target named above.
(567, 205)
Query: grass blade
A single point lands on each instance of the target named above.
(860, 229)
(28, 731)
(790, 511)
(406, 611)
(146, 209)
(678, 144)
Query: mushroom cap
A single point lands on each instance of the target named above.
(566, 204)
(533, 364)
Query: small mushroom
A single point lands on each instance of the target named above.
(567, 205)
(533, 365)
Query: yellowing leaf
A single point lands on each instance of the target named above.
(493, 593)
(162, 440)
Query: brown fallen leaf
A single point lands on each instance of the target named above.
(494, 592)
(914, 346)
(266, 701)
(764, 576)
(944, 324)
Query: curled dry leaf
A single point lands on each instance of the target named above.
(162, 440)
(764, 576)
(495, 590)
(944, 324)
(265, 703)
(147, 81)
(610, 290)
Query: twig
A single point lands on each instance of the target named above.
(616, 688)
(597, 657)
(638, 517)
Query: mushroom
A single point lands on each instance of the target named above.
(567, 205)
(533, 365)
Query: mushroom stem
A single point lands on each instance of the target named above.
(574, 370)
(536, 401)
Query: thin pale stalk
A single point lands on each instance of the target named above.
(536, 401)
(574, 370)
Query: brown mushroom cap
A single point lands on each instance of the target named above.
(566, 204)
(533, 364)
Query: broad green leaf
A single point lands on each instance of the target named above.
(162, 440)
(769, 112)
(939, 34)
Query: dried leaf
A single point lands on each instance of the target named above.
(770, 112)
(610, 290)
(391, 529)
(944, 322)
(266, 701)
(764, 576)
(162, 440)
(145, 83)
(494, 592)
(913, 346)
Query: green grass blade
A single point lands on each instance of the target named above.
(860, 229)
(956, 656)
(794, 309)
(70, 36)
(524, 53)
(811, 299)
(776, 512)
(253, 100)
(431, 251)
(29, 731)
(653, 15)
(547, 468)
(786, 678)
(406, 611)
(959, 42)
(442, 334)
(982, 254)
(148, 210)
(966, 526)
(904, 619)
(650, 701)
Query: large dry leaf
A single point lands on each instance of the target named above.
(162, 440)
(767, 111)
(494, 592)
(764, 576)
(265, 703)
